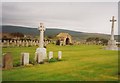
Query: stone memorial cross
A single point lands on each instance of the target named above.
(41, 49)
(112, 43)
(42, 29)
(112, 30)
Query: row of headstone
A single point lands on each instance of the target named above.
(7, 62)
(24, 60)
(22, 43)
(50, 56)
(87, 43)
(39, 56)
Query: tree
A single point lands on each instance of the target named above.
(97, 39)
(17, 34)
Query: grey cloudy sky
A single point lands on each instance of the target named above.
(90, 17)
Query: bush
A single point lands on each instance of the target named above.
(16, 64)
(59, 59)
(52, 60)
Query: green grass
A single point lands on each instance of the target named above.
(79, 62)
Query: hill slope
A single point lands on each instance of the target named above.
(51, 32)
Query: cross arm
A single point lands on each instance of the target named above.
(113, 20)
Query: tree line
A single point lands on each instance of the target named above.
(97, 40)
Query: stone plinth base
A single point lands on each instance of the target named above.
(43, 51)
(112, 45)
(112, 48)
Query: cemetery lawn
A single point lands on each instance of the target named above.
(79, 63)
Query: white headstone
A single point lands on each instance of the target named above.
(59, 55)
(39, 57)
(43, 50)
(61, 43)
(18, 43)
(8, 44)
(14, 42)
(23, 43)
(34, 43)
(4, 41)
(25, 58)
(50, 55)
(31, 43)
(45, 43)
(27, 44)
(37, 43)
(10, 41)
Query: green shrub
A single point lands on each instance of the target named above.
(52, 60)
(16, 64)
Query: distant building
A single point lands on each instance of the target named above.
(63, 39)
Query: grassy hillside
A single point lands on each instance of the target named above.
(52, 32)
(79, 63)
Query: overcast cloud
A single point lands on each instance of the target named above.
(79, 16)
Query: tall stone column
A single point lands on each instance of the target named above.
(112, 29)
(41, 40)
(112, 43)
(40, 54)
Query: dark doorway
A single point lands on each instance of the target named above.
(58, 42)
(67, 41)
